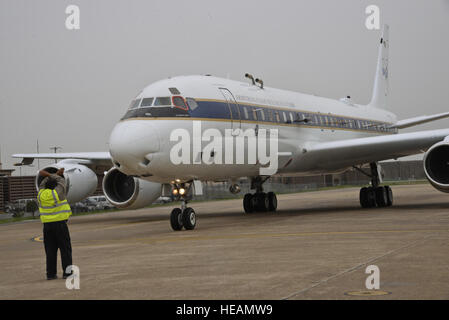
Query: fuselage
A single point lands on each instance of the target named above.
(141, 143)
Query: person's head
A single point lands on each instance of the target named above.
(51, 183)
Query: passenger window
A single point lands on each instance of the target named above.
(147, 102)
(162, 101)
(262, 114)
(179, 103)
(192, 103)
(284, 116)
(254, 114)
(269, 115)
(245, 112)
(278, 118)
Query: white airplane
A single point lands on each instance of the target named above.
(315, 136)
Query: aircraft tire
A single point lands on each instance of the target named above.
(389, 196)
(189, 218)
(367, 197)
(175, 219)
(381, 197)
(248, 203)
(272, 201)
(262, 201)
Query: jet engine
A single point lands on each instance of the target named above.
(436, 165)
(81, 181)
(128, 192)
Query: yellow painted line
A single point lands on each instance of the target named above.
(38, 239)
(367, 293)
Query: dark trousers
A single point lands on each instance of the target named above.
(56, 236)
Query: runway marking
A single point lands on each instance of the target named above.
(365, 293)
(352, 269)
(150, 240)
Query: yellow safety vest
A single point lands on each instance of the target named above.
(51, 208)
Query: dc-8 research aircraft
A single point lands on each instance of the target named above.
(315, 136)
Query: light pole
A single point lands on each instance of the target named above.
(55, 148)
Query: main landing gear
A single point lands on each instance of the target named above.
(183, 217)
(375, 195)
(259, 201)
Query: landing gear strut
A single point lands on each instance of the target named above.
(259, 201)
(375, 195)
(183, 217)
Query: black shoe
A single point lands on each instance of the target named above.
(52, 277)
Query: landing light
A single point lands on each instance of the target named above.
(182, 191)
(175, 192)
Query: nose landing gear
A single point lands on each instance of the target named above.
(259, 201)
(184, 217)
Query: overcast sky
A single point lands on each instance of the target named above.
(68, 88)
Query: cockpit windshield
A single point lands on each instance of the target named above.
(135, 104)
(146, 102)
(174, 106)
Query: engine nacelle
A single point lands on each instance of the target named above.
(81, 181)
(124, 191)
(436, 166)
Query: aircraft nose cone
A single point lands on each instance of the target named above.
(131, 141)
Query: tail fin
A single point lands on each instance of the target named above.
(380, 90)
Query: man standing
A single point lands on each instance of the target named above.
(54, 213)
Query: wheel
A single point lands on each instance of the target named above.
(381, 197)
(262, 201)
(363, 197)
(248, 203)
(189, 218)
(272, 201)
(367, 197)
(175, 219)
(389, 196)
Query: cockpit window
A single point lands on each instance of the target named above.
(135, 104)
(147, 102)
(192, 103)
(162, 101)
(179, 102)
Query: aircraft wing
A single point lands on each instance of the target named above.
(103, 158)
(401, 124)
(341, 154)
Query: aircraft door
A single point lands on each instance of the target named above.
(233, 108)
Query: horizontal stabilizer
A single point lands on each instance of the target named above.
(418, 120)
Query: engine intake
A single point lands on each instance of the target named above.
(125, 191)
(81, 181)
(436, 166)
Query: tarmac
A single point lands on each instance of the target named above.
(316, 246)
